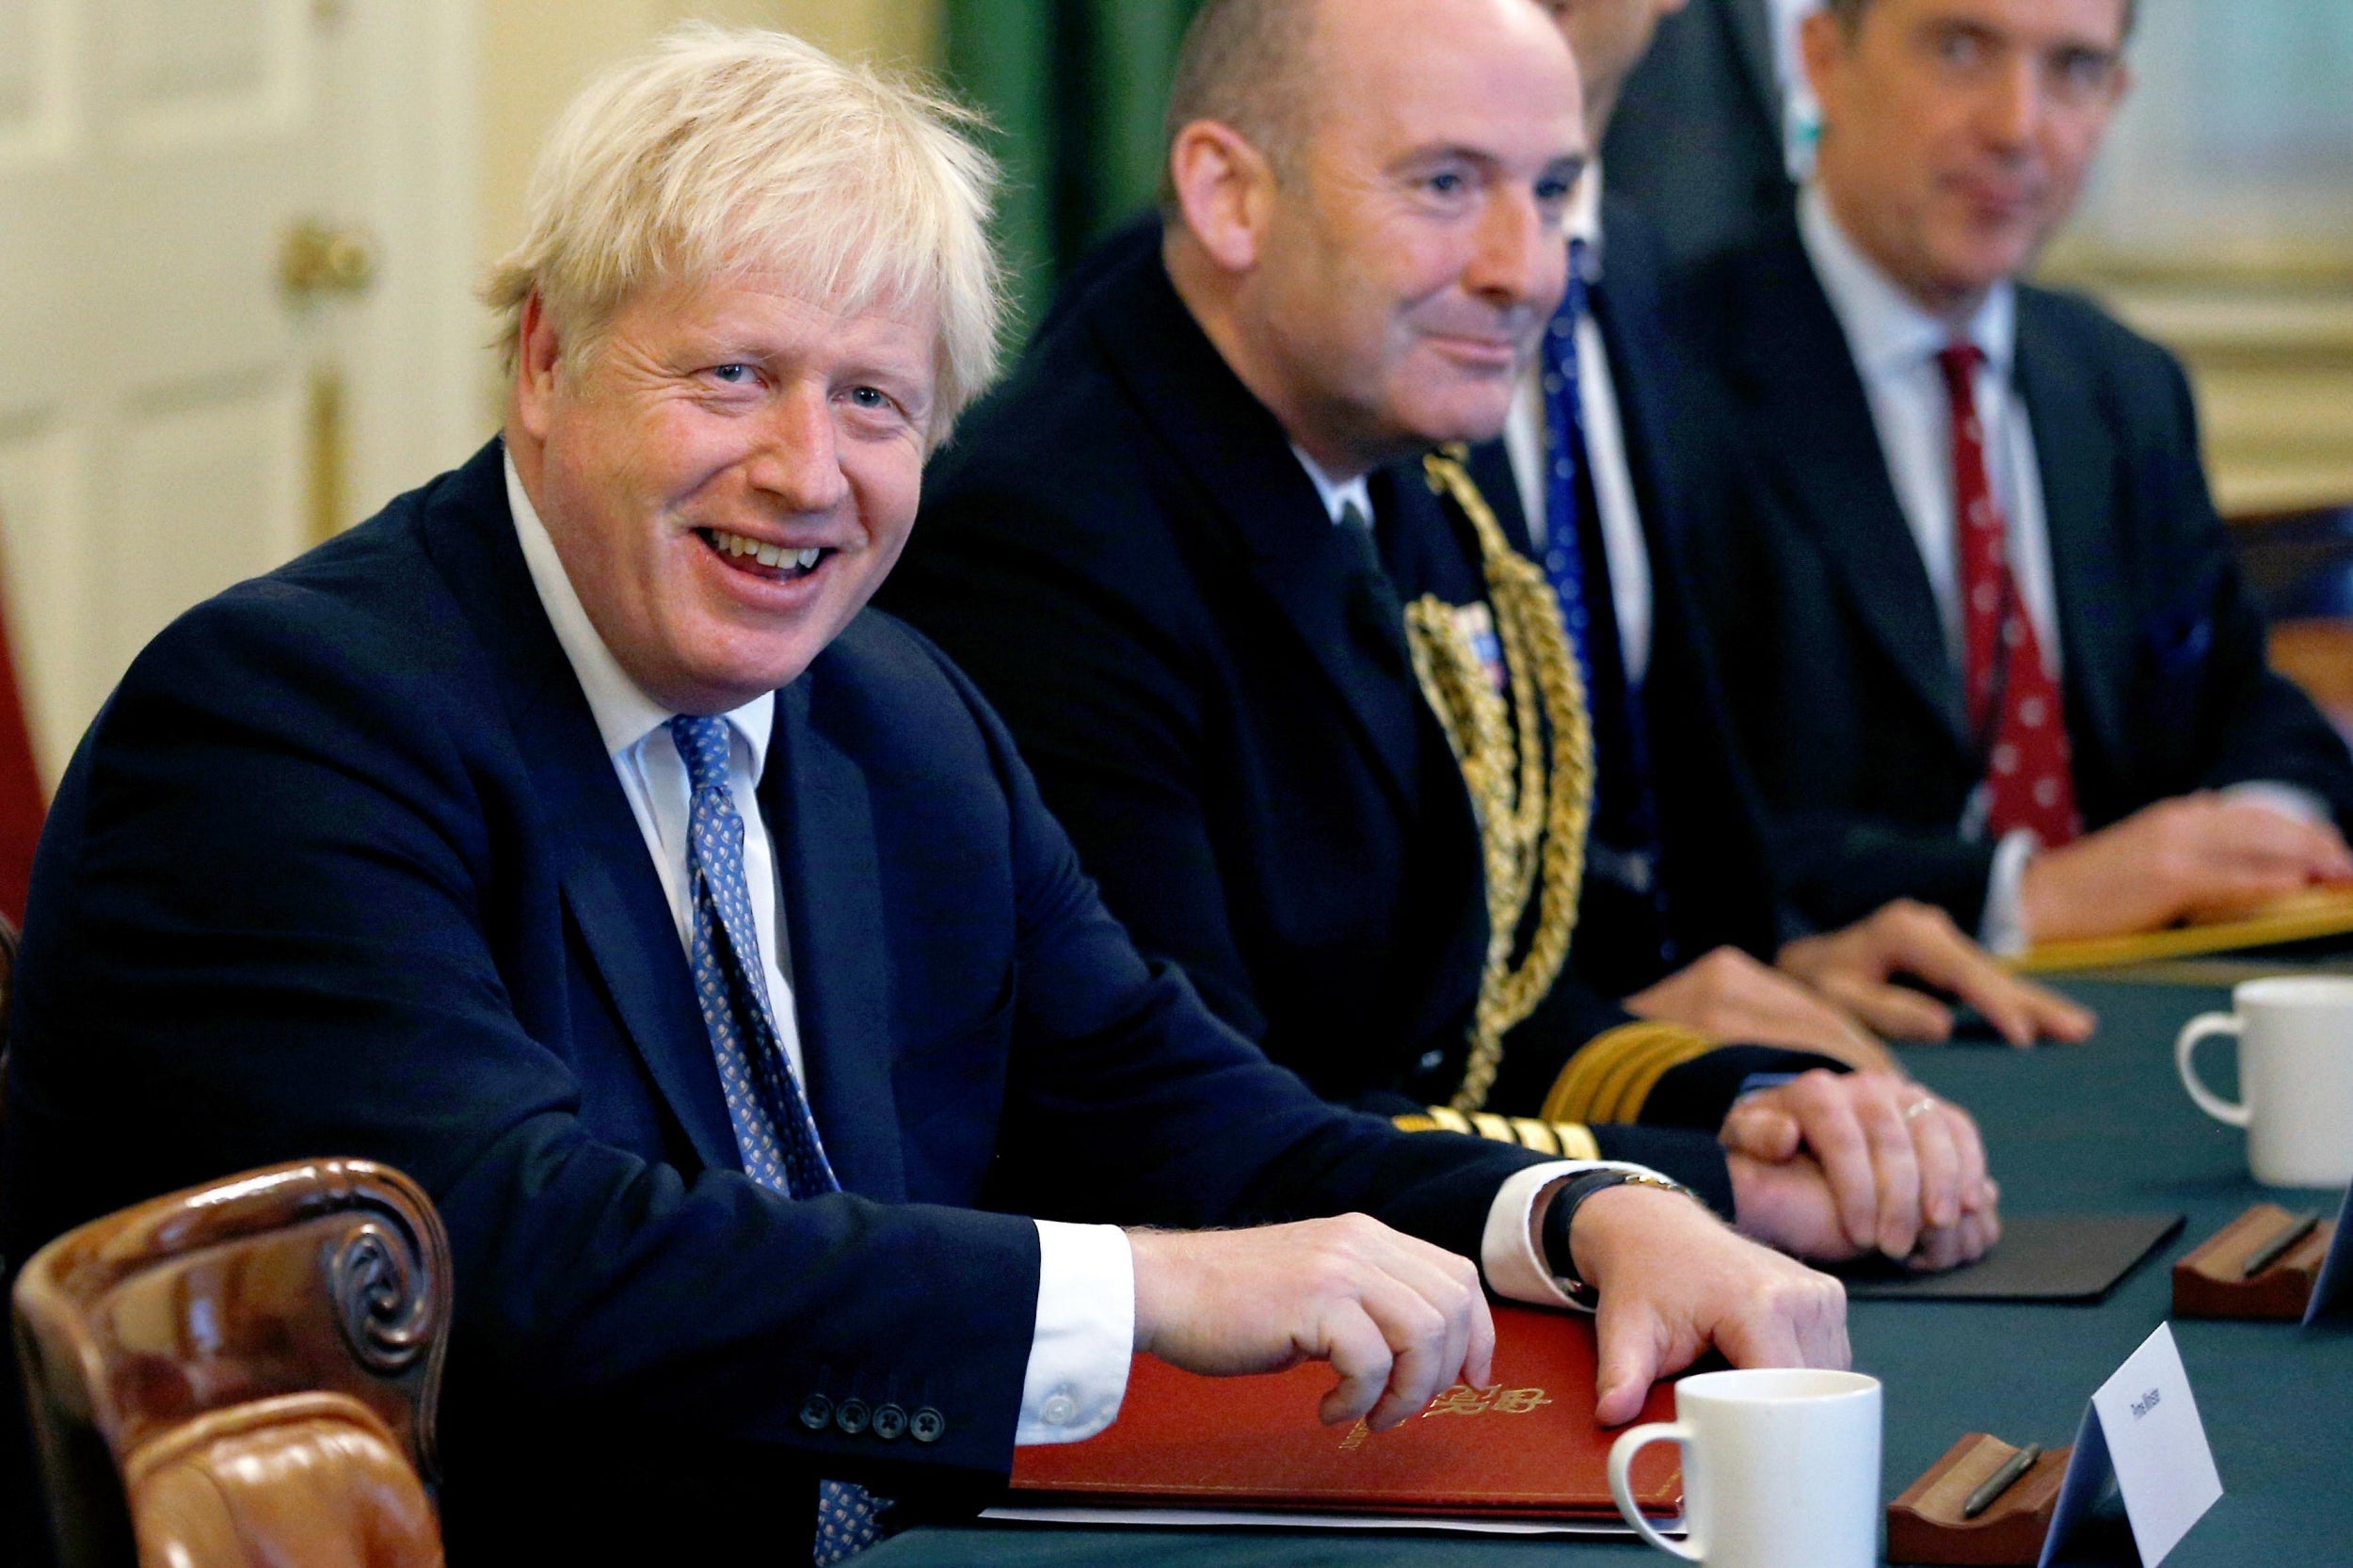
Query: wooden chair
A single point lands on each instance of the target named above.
(2299, 565)
(243, 1373)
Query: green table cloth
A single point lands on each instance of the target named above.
(2104, 1127)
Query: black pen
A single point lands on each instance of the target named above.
(2000, 1481)
(2299, 1226)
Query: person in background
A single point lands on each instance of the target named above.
(1174, 550)
(1716, 125)
(1979, 624)
(1588, 479)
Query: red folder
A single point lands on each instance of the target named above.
(1526, 1449)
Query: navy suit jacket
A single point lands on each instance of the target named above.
(1716, 869)
(1696, 140)
(342, 868)
(1124, 552)
(1831, 647)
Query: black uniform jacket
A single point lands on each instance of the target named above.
(1124, 552)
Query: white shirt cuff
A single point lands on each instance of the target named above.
(2289, 800)
(1513, 1251)
(1085, 1336)
(2002, 929)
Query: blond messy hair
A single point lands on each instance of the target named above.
(726, 152)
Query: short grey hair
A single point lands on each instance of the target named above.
(1248, 65)
(724, 152)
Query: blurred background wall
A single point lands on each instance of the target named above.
(2220, 221)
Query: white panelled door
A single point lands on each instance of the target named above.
(175, 412)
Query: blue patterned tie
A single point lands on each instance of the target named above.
(773, 1129)
(1624, 847)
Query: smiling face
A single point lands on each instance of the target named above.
(729, 477)
(1407, 263)
(1957, 132)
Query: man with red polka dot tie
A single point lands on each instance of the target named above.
(1976, 617)
(2012, 701)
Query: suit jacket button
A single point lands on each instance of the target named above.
(850, 1416)
(817, 1413)
(927, 1425)
(889, 1424)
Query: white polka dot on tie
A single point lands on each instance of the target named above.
(1987, 599)
(2046, 792)
(1552, 384)
(1975, 431)
(2005, 760)
(2030, 712)
(1981, 514)
(1564, 469)
(2013, 633)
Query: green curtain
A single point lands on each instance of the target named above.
(1076, 88)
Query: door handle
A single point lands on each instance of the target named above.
(319, 260)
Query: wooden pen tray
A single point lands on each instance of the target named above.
(2206, 1283)
(1924, 1524)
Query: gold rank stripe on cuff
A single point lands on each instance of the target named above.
(1612, 1073)
(1568, 1140)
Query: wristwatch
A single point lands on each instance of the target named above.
(1562, 1214)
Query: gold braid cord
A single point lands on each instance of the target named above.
(1533, 802)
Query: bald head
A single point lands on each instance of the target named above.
(1376, 276)
(1262, 66)
(1248, 64)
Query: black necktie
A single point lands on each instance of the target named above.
(1373, 607)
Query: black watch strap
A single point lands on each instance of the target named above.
(1561, 1215)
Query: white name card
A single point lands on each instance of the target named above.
(2332, 1293)
(2142, 1429)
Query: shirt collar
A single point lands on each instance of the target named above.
(1336, 495)
(625, 714)
(1885, 329)
(1584, 219)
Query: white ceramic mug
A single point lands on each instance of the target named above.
(1780, 1470)
(2295, 1074)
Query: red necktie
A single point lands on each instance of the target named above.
(2011, 699)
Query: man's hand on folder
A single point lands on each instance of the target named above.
(1673, 1280)
(1399, 1319)
(2200, 856)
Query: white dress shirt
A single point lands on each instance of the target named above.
(1337, 495)
(1084, 1336)
(1895, 344)
(1525, 436)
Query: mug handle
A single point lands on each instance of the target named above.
(1631, 1442)
(2233, 1112)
